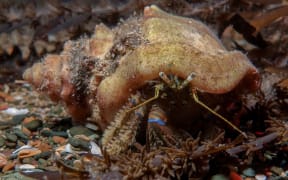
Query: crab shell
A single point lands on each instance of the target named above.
(173, 45)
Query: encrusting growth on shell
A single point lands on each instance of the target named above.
(98, 75)
(65, 77)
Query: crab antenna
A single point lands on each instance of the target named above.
(166, 79)
(186, 81)
(156, 95)
(196, 99)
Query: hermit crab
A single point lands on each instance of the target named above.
(159, 59)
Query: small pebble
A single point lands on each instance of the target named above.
(20, 134)
(42, 162)
(2, 141)
(60, 133)
(49, 133)
(4, 107)
(68, 148)
(28, 119)
(28, 153)
(26, 131)
(3, 160)
(64, 148)
(13, 156)
(10, 144)
(14, 111)
(94, 136)
(35, 143)
(11, 137)
(249, 172)
(27, 160)
(52, 168)
(43, 155)
(20, 143)
(78, 164)
(91, 126)
(17, 119)
(82, 137)
(219, 177)
(34, 125)
(22, 147)
(16, 175)
(26, 166)
(9, 166)
(95, 149)
(260, 177)
(79, 143)
(74, 142)
(110, 175)
(80, 130)
(44, 146)
(283, 174)
(277, 170)
(46, 133)
(36, 170)
(59, 140)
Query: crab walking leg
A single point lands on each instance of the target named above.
(196, 99)
(156, 95)
(187, 81)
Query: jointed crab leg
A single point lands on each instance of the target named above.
(170, 83)
(156, 95)
(196, 99)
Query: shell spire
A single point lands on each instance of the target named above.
(65, 77)
(53, 78)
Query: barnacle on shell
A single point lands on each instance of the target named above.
(100, 74)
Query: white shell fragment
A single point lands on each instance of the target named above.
(14, 111)
(260, 177)
(26, 167)
(21, 148)
(91, 126)
(68, 148)
(95, 149)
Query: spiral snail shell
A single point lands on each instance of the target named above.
(97, 76)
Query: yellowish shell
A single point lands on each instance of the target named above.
(178, 46)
